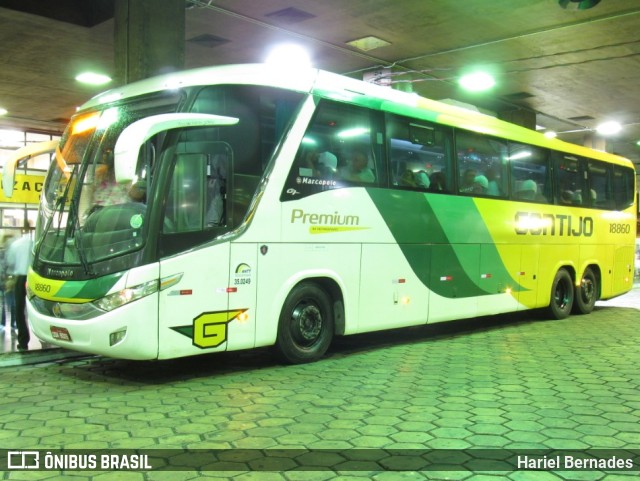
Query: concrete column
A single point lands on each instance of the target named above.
(524, 118)
(149, 38)
(594, 141)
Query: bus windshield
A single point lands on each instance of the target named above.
(85, 215)
(189, 184)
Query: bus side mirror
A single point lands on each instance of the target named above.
(9, 168)
(135, 135)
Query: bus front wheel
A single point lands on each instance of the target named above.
(306, 326)
(586, 293)
(562, 295)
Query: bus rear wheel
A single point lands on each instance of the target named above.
(586, 293)
(306, 325)
(562, 295)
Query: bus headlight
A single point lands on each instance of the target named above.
(125, 296)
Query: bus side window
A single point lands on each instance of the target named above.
(623, 186)
(481, 164)
(569, 179)
(419, 154)
(342, 146)
(530, 173)
(600, 189)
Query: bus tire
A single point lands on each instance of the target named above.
(306, 325)
(562, 295)
(586, 293)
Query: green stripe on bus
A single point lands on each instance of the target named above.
(91, 289)
(433, 233)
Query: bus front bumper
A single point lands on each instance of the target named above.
(127, 332)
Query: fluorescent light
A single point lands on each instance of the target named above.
(609, 128)
(289, 55)
(477, 81)
(550, 134)
(93, 78)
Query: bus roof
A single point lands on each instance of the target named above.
(346, 89)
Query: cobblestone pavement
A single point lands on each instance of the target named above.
(507, 382)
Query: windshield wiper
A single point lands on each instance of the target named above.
(73, 230)
(77, 241)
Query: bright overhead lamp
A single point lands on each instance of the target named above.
(550, 134)
(609, 128)
(92, 78)
(3, 111)
(476, 81)
(288, 55)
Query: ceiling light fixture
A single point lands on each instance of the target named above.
(3, 111)
(289, 55)
(477, 81)
(92, 78)
(609, 128)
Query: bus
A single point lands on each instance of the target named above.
(242, 206)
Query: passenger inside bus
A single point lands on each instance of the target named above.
(308, 161)
(437, 182)
(327, 164)
(467, 181)
(494, 182)
(318, 164)
(480, 185)
(357, 169)
(526, 190)
(407, 179)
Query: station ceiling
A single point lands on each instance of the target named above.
(573, 67)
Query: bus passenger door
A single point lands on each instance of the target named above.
(194, 271)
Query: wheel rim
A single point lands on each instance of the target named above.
(587, 290)
(562, 295)
(306, 324)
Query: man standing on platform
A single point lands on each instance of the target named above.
(18, 262)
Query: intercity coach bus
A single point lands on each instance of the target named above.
(234, 207)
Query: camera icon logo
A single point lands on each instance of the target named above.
(23, 460)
